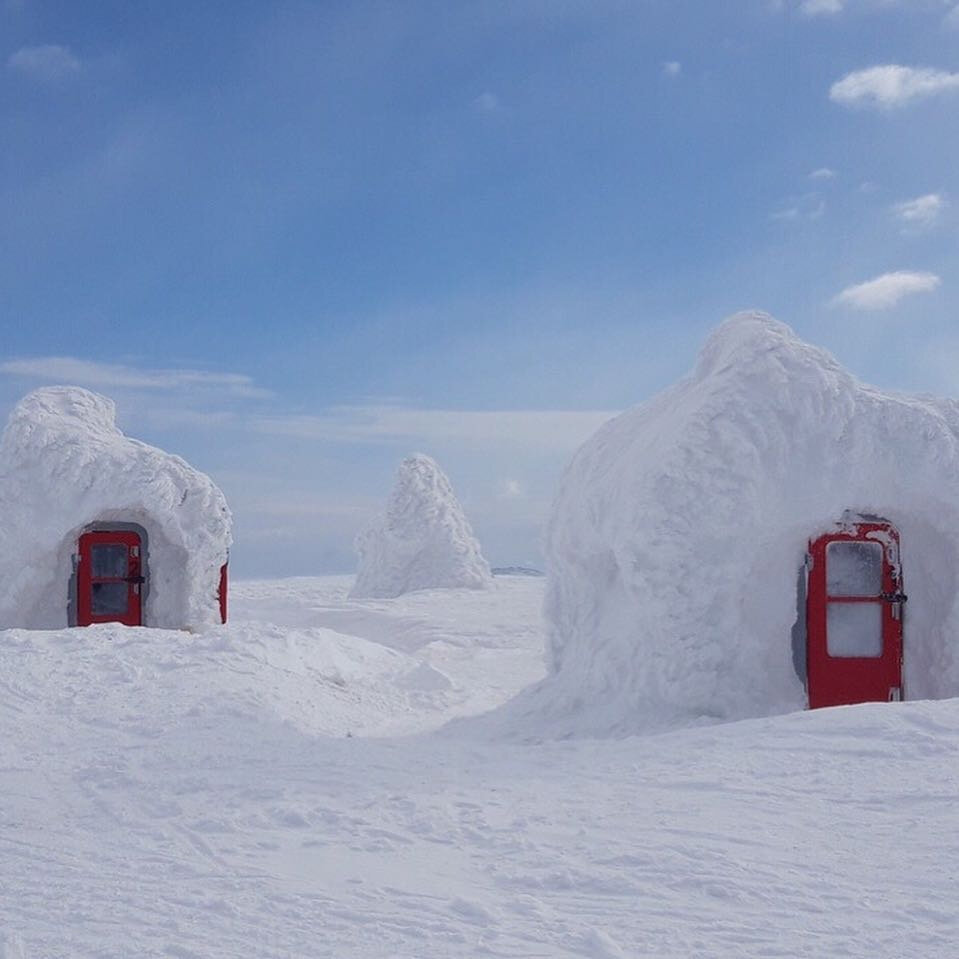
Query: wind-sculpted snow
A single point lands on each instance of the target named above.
(64, 465)
(423, 541)
(199, 795)
(680, 527)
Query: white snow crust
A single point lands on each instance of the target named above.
(422, 541)
(174, 795)
(64, 465)
(681, 525)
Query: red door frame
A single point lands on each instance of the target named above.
(222, 591)
(133, 579)
(842, 680)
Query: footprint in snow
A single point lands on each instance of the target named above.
(472, 911)
(598, 945)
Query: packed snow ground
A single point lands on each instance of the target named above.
(166, 794)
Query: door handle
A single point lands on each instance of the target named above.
(136, 580)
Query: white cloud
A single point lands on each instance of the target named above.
(48, 61)
(672, 68)
(885, 291)
(891, 85)
(816, 8)
(920, 213)
(823, 173)
(952, 18)
(70, 370)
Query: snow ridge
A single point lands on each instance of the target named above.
(422, 541)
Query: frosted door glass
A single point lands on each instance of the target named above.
(109, 599)
(854, 629)
(108, 561)
(854, 569)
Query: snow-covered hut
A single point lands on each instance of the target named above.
(742, 545)
(422, 541)
(97, 527)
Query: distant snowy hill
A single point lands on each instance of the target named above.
(422, 541)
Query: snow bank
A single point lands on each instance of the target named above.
(680, 526)
(423, 541)
(64, 465)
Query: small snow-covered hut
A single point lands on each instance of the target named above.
(98, 527)
(422, 541)
(680, 527)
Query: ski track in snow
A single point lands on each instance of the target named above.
(170, 795)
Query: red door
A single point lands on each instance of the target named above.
(109, 580)
(221, 593)
(854, 616)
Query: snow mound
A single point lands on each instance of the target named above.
(423, 541)
(65, 465)
(681, 525)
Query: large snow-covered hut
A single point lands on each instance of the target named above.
(680, 527)
(98, 527)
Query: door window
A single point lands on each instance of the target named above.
(109, 560)
(854, 569)
(109, 599)
(854, 629)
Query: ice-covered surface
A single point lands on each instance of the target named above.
(677, 535)
(197, 797)
(64, 464)
(423, 540)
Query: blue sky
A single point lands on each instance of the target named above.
(295, 241)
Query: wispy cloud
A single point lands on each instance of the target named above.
(885, 291)
(951, 20)
(920, 213)
(891, 86)
(48, 61)
(672, 68)
(70, 370)
(810, 206)
(551, 429)
(823, 173)
(818, 8)
(543, 430)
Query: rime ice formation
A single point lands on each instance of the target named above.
(680, 526)
(64, 465)
(423, 541)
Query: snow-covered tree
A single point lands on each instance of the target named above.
(422, 541)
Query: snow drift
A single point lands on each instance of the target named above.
(423, 541)
(64, 465)
(680, 526)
